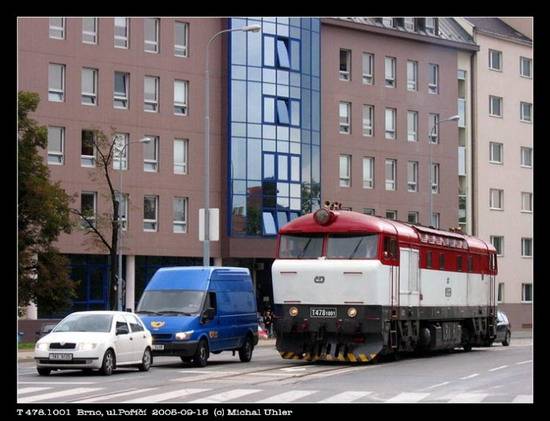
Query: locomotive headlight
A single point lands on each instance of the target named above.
(322, 216)
(352, 312)
(293, 311)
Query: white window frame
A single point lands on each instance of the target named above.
(345, 179)
(178, 105)
(124, 216)
(369, 211)
(368, 120)
(88, 161)
(344, 126)
(522, 67)
(461, 105)
(433, 123)
(391, 214)
(152, 103)
(56, 28)
(344, 75)
(57, 157)
(390, 183)
(493, 239)
(498, 198)
(492, 159)
(409, 24)
(436, 220)
(435, 176)
(524, 241)
(523, 298)
(368, 172)
(152, 43)
(124, 40)
(433, 88)
(416, 217)
(53, 92)
(390, 132)
(151, 221)
(180, 223)
(430, 29)
(181, 50)
(151, 165)
(526, 197)
(368, 70)
(412, 183)
(388, 21)
(522, 106)
(491, 60)
(93, 218)
(491, 107)
(120, 162)
(92, 35)
(91, 95)
(181, 167)
(412, 132)
(412, 84)
(522, 161)
(389, 77)
(117, 95)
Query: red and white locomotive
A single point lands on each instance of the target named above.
(349, 287)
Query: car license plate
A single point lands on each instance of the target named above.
(323, 312)
(158, 347)
(59, 356)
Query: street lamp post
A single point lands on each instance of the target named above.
(206, 244)
(119, 219)
(430, 180)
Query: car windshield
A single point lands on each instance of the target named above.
(352, 246)
(171, 301)
(85, 323)
(300, 246)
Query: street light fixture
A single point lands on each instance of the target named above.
(206, 244)
(430, 180)
(119, 217)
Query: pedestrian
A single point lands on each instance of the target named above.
(268, 322)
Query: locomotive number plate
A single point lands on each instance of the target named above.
(323, 312)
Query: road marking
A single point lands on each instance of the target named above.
(291, 396)
(54, 383)
(436, 385)
(471, 376)
(498, 368)
(31, 389)
(207, 372)
(345, 397)
(116, 395)
(523, 399)
(166, 396)
(270, 374)
(61, 394)
(468, 397)
(408, 397)
(226, 396)
(524, 362)
(293, 369)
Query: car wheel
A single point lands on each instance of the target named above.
(201, 355)
(245, 353)
(44, 371)
(507, 339)
(146, 361)
(108, 363)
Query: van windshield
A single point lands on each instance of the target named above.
(171, 301)
(300, 246)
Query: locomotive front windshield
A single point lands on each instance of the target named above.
(352, 246)
(301, 246)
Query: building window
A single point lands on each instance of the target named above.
(495, 60)
(409, 24)
(181, 35)
(56, 82)
(179, 225)
(150, 213)
(433, 124)
(526, 293)
(89, 86)
(181, 88)
(120, 94)
(412, 176)
(345, 170)
(389, 65)
(436, 217)
(435, 178)
(369, 211)
(120, 151)
(368, 120)
(496, 199)
(433, 82)
(368, 173)
(150, 154)
(123, 207)
(277, 53)
(526, 157)
(151, 94)
(498, 243)
(151, 35)
(345, 117)
(283, 57)
(526, 247)
(412, 217)
(526, 111)
(88, 149)
(461, 105)
(495, 106)
(526, 202)
(368, 69)
(345, 64)
(89, 30)
(391, 170)
(500, 293)
(122, 30)
(525, 65)
(412, 126)
(57, 28)
(430, 26)
(496, 153)
(391, 114)
(412, 75)
(88, 209)
(180, 156)
(56, 145)
(388, 22)
(391, 214)
(462, 210)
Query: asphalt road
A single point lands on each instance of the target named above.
(496, 374)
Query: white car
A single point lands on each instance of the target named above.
(101, 340)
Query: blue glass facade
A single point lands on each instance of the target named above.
(274, 123)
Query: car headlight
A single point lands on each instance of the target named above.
(183, 336)
(42, 346)
(86, 346)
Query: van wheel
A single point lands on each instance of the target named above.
(245, 353)
(146, 361)
(201, 355)
(44, 371)
(108, 363)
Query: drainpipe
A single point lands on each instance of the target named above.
(473, 132)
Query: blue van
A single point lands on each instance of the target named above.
(192, 311)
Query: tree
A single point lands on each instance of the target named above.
(43, 214)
